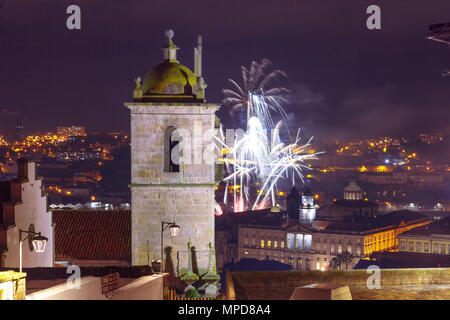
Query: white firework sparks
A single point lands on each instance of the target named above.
(259, 156)
(259, 76)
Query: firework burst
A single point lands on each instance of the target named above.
(258, 155)
(256, 158)
(259, 77)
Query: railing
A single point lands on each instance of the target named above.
(304, 250)
(174, 296)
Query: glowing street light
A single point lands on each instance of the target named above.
(38, 241)
(174, 231)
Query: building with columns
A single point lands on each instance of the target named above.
(353, 192)
(275, 237)
(310, 243)
(172, 163)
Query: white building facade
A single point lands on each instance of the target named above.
(24, 207)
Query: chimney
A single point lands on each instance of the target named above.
(22, 168)
(26, 169)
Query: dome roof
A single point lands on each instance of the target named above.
(169, 78)
(352, 187)
(275, 209)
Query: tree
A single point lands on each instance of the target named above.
(340, 259)
(335, 263)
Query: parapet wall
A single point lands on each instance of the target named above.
(280, 284)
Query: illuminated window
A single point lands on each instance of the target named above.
(436, 248)
(332, 248)
(308, 241)
(339, 248)
(275, 244)
(290, 241)
(269, 244)
(349, 249)
(442, 248)
(358, 251)
(411, 246)
(426, 247)
(262, 243)
(418, 247)
(299, 241)
(402, 246)
(282, 244)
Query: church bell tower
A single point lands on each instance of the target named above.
(172, 163)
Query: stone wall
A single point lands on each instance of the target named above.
(185, 197)
(281, 284)
(192, 208)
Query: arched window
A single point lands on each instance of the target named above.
(171, 162)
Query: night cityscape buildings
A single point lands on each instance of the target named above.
(343, 168)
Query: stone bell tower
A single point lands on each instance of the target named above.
(172, 163)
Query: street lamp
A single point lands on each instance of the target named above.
(39, 242)
(174, 231)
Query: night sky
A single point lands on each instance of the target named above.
(348, 80)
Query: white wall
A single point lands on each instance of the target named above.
(144, 288)
(33, 209)
(90, 289)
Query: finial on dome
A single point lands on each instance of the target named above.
(170, 50)
(137, 94)
(138, 82)
(169, 34)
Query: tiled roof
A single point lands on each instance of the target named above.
(389, 260)
(362, 224)
(92, 234)
(354, 203)
(260, 218)
(441, 227)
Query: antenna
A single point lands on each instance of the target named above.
(198, 58)
(198, 69)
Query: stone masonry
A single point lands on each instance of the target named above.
(186, 197)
